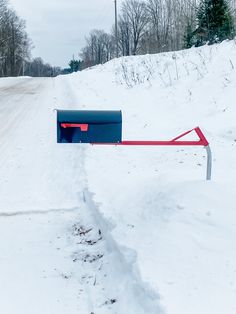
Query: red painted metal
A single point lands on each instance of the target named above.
(201, 136)
(162, 143)
(83, 127)
(182, 135)
(175, 142)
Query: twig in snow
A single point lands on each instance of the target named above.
(232, 65)
(176, 68)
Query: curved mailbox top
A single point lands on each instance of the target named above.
(89, 116)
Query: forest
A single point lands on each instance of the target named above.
(143, 27)
(153, 26)
(16, 47)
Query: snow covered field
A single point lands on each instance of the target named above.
(105, 229)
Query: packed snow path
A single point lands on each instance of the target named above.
(57, 253)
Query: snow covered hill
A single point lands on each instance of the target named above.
(106, 229)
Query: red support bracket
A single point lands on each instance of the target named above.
(175, 142)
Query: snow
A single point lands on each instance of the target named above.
(111, 229)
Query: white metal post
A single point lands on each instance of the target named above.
(209, 162)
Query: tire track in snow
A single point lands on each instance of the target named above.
(112, 284)
(111, 281)
(36, 212)
(13, 113)
(113, 273)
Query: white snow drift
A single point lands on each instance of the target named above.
(106, 229)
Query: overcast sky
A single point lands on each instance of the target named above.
(58, 27)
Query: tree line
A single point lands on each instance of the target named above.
(144, 26)
(154, 26)
(16, 46)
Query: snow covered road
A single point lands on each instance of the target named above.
(57, 253)
(35, 263)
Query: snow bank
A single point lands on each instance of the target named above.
(181, 227)
(113, 230)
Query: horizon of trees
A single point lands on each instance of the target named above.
(144, 27)
(153, 26)
(16, 46)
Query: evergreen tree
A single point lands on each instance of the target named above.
(215, 22)
(75, 65)
(189, 38)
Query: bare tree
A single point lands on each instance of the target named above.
(14, 42)
(124, 35)
(135, 13)
(37, 68)
(168, 22)
(99, 48)
(147, 26)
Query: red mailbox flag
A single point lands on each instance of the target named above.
(83, 127)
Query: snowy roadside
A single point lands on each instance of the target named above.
(181, 227)
(117, 229)
(57, 254)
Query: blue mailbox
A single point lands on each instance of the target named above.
(89, 126)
